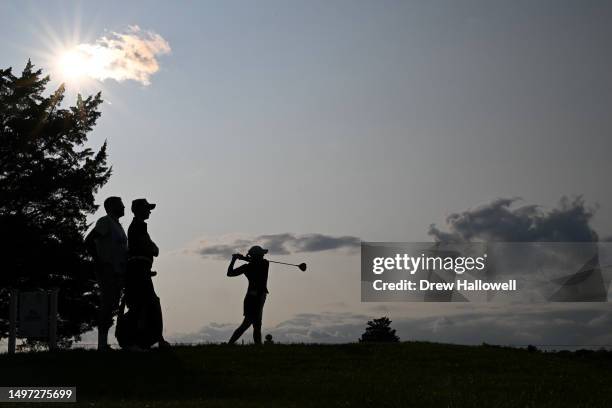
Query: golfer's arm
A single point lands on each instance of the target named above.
(90, 242)
(153, 248)
(231, 271)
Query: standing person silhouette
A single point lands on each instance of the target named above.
(256, 271)
(107, 244)
(141, 298)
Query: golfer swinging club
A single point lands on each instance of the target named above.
(256, 271)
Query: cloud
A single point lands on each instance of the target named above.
(327, 327)
(568, 271)
(277, 244)
(498, 221)
(549, 325)
(131, 55)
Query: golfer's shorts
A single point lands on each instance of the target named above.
(253, 308)
(110, 282)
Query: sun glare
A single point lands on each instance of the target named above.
(82, 64)
(71, 58)
(73, 65)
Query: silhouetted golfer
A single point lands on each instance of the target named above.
(256, 271)
(144, 323)
(107, 244)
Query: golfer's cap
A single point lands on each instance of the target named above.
(257, 250)
(142, 203)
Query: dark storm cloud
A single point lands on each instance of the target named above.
(499, 221)
(279, 244)
(551, 325)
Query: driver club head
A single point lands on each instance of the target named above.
(302, 267)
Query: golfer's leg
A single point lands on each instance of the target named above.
(106, 306)
(159, 323)
(257, 318)
(102, 337)
(240, 331)
(111, 298)
(257, 333)
(105, 313)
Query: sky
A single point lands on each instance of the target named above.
(318, 124)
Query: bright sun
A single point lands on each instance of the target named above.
(73, 65)
(82, 64)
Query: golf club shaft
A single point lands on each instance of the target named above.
(284, 263)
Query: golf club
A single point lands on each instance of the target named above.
(302, 266)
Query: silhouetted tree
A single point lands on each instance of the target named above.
(268, 339)
(47, 183)
(379, 331)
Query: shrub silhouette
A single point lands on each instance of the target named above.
(379, 331)
(48, 179)
(268, 339)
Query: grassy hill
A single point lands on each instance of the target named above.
(350, 375)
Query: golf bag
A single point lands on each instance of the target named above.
(141, 326)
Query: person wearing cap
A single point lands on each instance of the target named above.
(107, 244)
(256, 271)
(141, 299)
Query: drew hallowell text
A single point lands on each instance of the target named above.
(460, 284)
